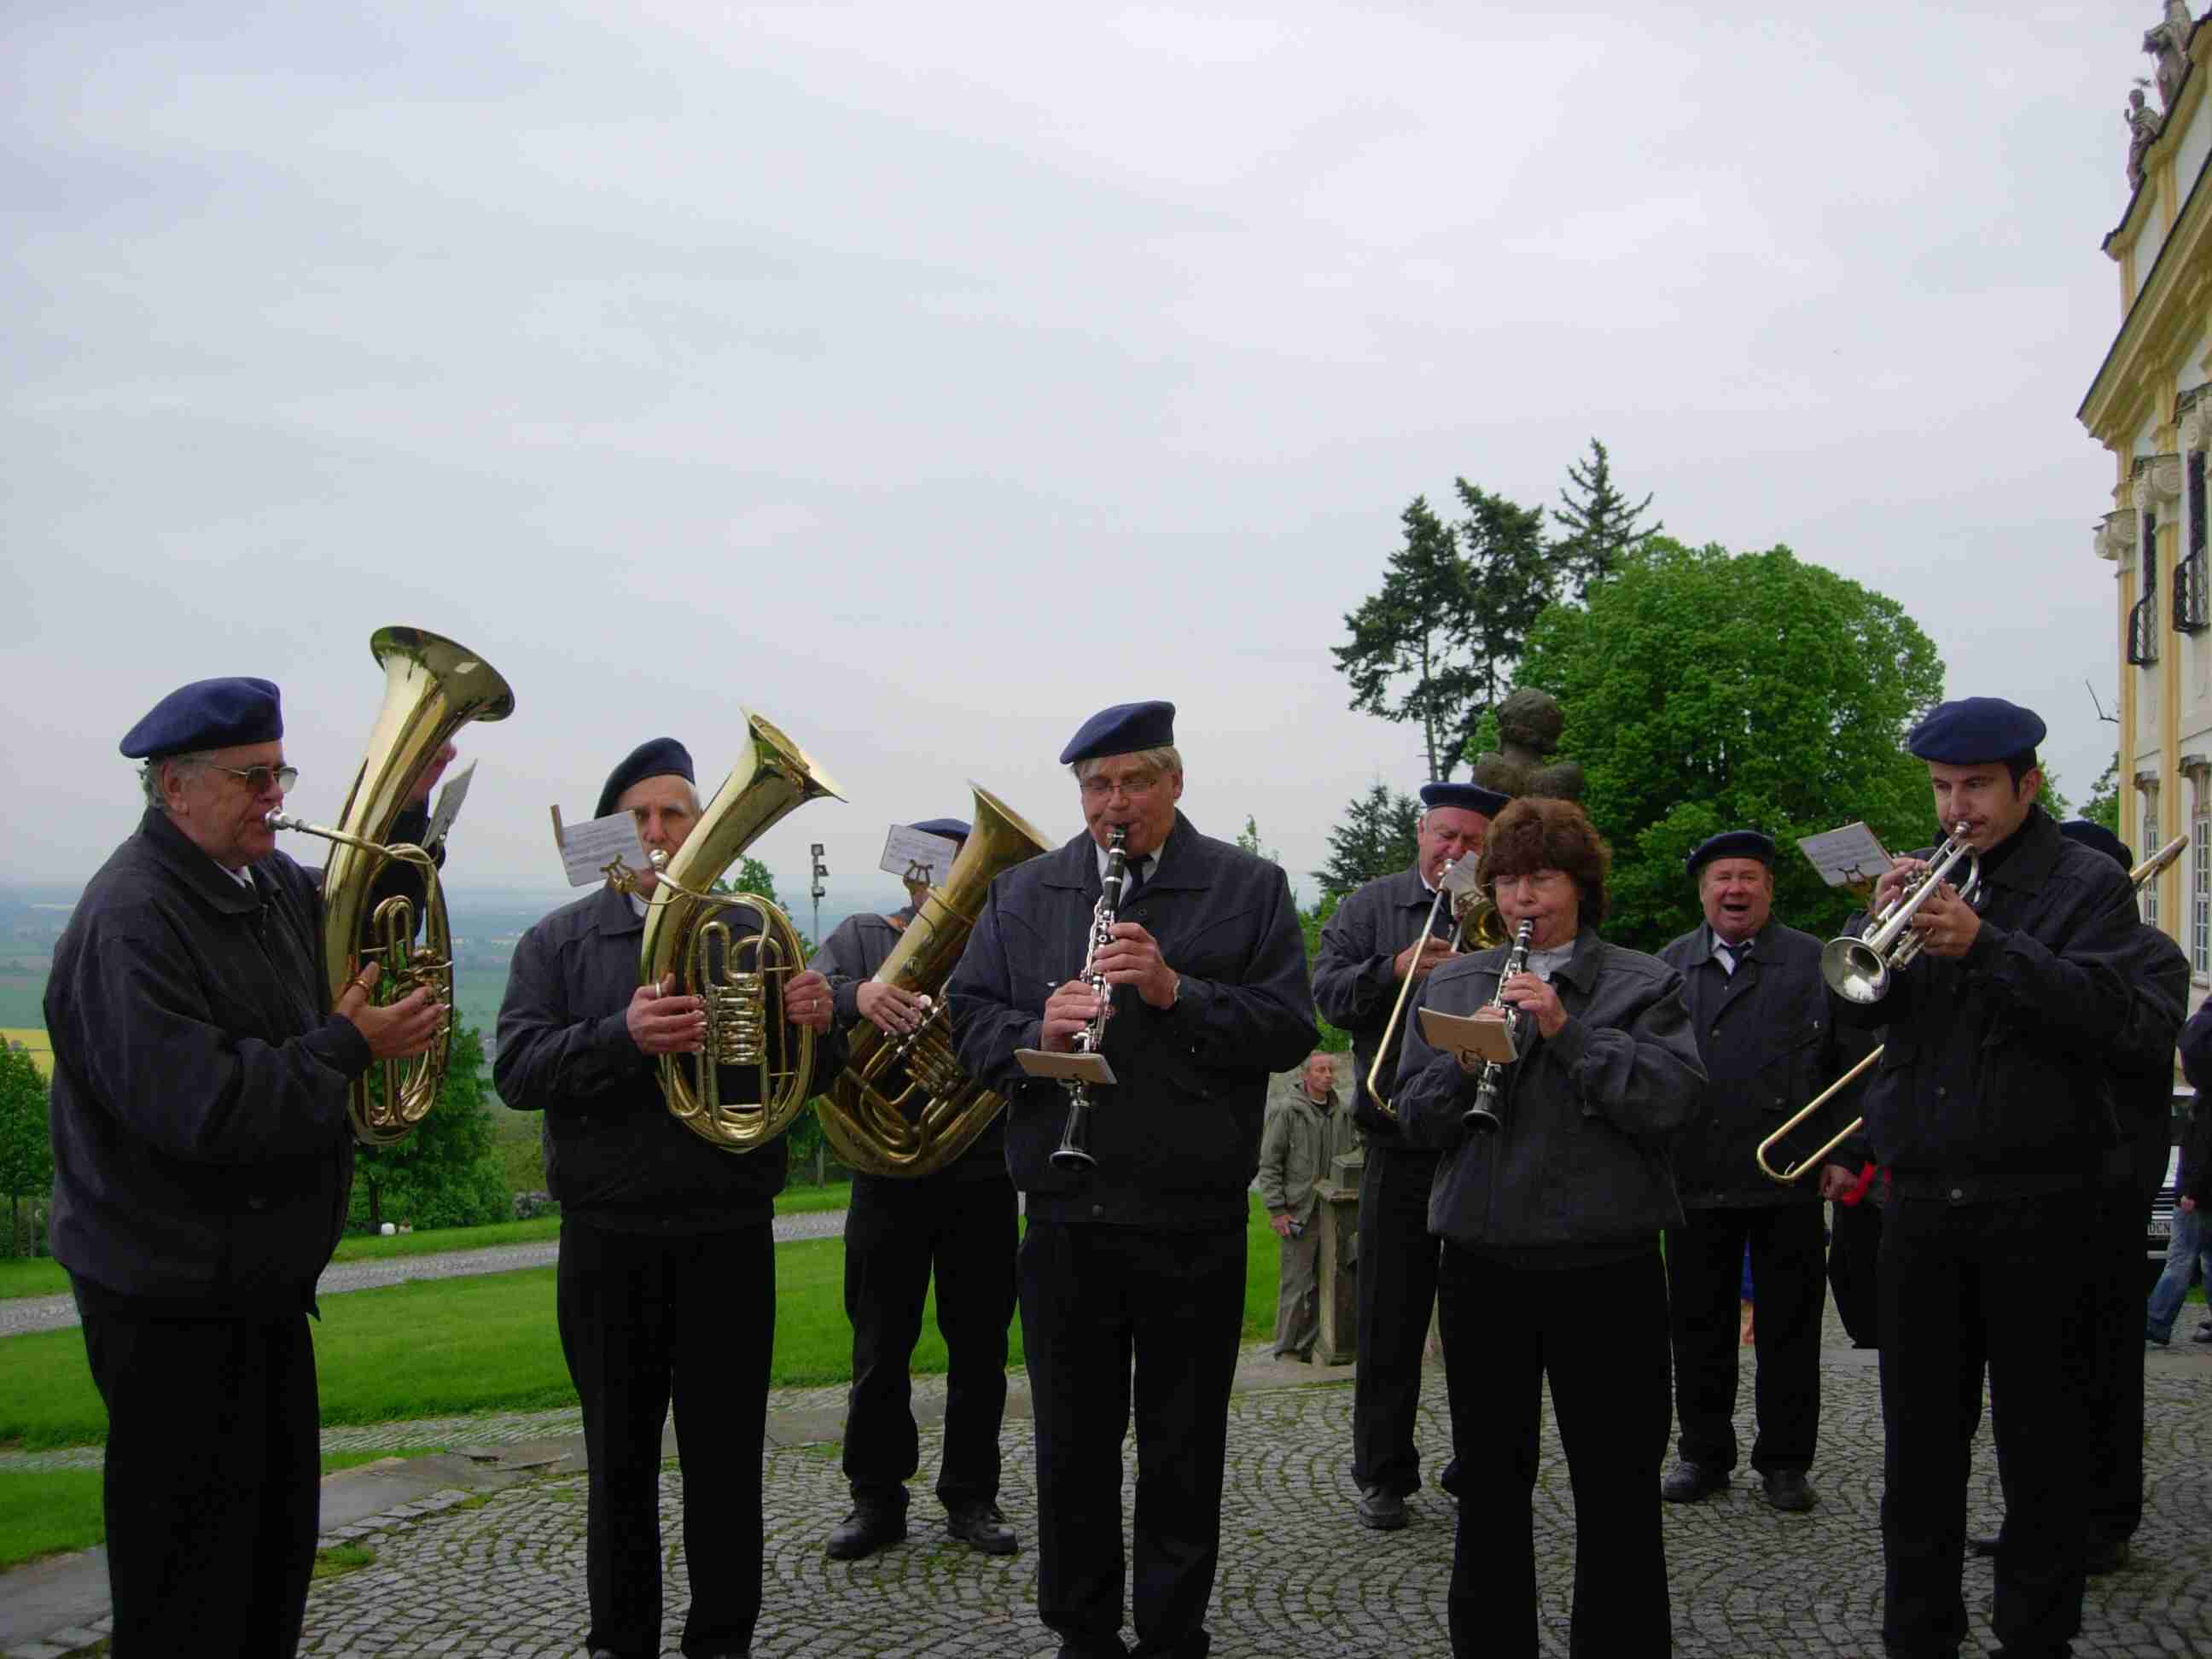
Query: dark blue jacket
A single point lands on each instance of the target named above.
(1177, 1137)
(1355, 986)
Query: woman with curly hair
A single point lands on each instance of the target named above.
(1553, 1215)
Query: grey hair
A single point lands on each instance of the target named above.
(149, 773)
(1167, 758)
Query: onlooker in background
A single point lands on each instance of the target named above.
(1306, 1131)
(2190, 1253)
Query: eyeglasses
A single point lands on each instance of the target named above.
(1098, 786)
(258, 778)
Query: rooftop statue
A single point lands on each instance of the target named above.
(2144, 123)
(2169, 44)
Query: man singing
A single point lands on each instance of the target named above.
(666, 1287)
(1139, 1256)
(202, 1163)
(1369, 949)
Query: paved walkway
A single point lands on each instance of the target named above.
(54, 1313)
(483, 1553)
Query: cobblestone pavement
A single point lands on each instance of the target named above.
(503, 1572)
(54, 1313)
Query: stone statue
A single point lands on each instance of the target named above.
(2169, 44)
(2144, 126)
(1529, 726)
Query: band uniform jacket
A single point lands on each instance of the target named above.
(1579, 1171)
(1353, 984)
(1997, 1074)
(1769, 1043)
(2158, 977)
(1177, 1137)
(201, 1153)
(615, 1157)
(1297, 1144)
(856, 948)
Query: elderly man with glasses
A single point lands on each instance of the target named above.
(201, 1164)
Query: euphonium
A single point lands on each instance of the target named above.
(432, 688)
(902, 1106)
(686, 937)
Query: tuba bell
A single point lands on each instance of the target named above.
(688, 937)
(902, 1106)
(432, 688)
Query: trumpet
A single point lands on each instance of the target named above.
(2147, 870)
(1475, 927)
(1858, 966)
(1485, 1115)
(1071, 1152)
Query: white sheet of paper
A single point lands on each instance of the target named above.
(911, 854)
(1085, 1068)
(1846, 855)
(1465, 1035)
(587, 849)
(449, 805)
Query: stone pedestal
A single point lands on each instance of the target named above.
(1338, 1218)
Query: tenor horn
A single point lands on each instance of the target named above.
(739, 974)
(902, 1106)
(432, 688)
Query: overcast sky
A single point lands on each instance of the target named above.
(927, 377)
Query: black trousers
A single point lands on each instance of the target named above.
(1965, 1288)
(1397, 1291)
(1854, 1270)
(1506, 1330)
(1096, 1303)
(963, 1227)
(2115, 1405)
(1704, 1277)
(646, 1319)
(213, 1482)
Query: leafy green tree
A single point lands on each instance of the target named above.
(1436, 645)
(2103, 805)
(1310, 922)
(26, 1155)
(1705, 690)
(447, 1173)
(1602, 529)
(1379, 832)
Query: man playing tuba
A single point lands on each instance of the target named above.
(201, 1160)
(959, 1223)
(667, 1285)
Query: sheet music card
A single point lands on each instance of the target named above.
(1848, 855)
(587, 849)
(1064, 1068)
(449, 805)
(1469, 1038)
(912, 854)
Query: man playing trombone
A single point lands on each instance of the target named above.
(1371, 947)
(1992, 1109)
(1134, 1253)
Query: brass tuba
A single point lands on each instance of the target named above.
(901, 1106)
(432, 688)
(687, 937)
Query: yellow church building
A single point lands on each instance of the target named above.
(2151, 407)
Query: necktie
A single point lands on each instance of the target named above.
(1135, 883)
(1725, 954)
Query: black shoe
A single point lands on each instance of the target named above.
(1982, 1547)
(869, 1527)
(982, 1527)
(1380, 1508)
(1789, 1490)
(2107, 1555)
(2156, 1341)
(2203, 1334)
(1687, 1482)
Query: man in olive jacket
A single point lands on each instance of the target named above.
(666, 1287)
(1307, 1129)
(1137, 1256)
(1769, 1045)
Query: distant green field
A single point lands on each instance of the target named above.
(23, 999)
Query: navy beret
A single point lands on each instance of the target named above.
(1975, 729)
(1731, 844)
(2097, 839)
(1123, 729)
(951, 829)
(208, 715)
(1467, 797)
(656, 757)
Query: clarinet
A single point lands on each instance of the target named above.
(1488, 1114)
(1070, 1153)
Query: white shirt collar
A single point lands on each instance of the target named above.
(243, 877)
(1545, 963)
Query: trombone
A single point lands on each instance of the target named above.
(2147, 871)
(1474, 923)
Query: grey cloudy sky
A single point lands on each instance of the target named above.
(926, 377)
